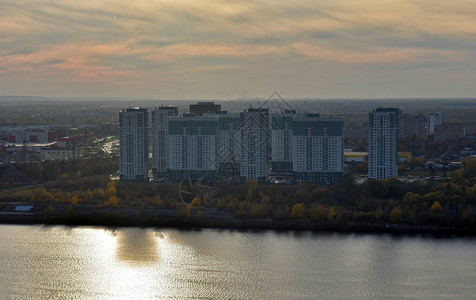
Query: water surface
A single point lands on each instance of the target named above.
(38, 262)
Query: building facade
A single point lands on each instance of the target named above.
(255, 133)
(134, 144)
(229, 145)
(434, 119)
(281, 142)
(192, 148)
(413, 125)
(383, 143)
(30, 136)
(203, 108)
(160, 138)
(318, 148)
(57, 154)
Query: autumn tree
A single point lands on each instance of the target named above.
(156, 201)
(318, 212)
(331, 214)
(396, 215)
(197, 202)
(74, 200)
(297, 211)
(41, 195)
(113, 201)
(111, 189)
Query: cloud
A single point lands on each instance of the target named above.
(129, 42)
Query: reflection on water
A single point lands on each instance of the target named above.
(137, 246)
(93, 263)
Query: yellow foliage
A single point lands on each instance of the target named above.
(41, 195)
(396, 215)
(157, 201)
(100, 194)
(436, 208)
(183, 211)
(318, 213)
(111, 191)
(297, 211)
(74, 200)
(113, 201)
(197, 202)
(331, 215)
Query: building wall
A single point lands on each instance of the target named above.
(281, 141)
(30, 136)
(160, 138)
(192, 148)
(254, 140)
(202, 108)
(318, 150)
(414, 125)
(57, 154)
(229, 144)
(383, 143)
(134, 144)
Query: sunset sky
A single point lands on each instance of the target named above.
(191, 49)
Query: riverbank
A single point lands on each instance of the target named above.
(91, 215)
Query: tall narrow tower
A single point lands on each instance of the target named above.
(160, 138)
(134, 144)
(255, 134)
(383, 143)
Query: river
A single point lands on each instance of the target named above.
(40, 262)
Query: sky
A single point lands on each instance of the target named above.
(215, 49)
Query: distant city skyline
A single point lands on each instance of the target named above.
(221, 50)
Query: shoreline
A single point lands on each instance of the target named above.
(112, 217)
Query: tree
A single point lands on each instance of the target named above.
(183, 210)
(41, 195)
(436, 209)
(49, 212)
(156, 201)
(113, 201)
(411, 198)
(331, 215)
(74, 200)
(263, 198)
(100, 194)
(318, 213)
(111, 189)
(297, 211)
(250, 188)
(197, 202)
(396, 215)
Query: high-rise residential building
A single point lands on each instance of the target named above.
(434, 119)
(416, 125)
(229, 145)
(202, 108)
(318, 151)
(281, 141)
(134, 144)
(192, 148)
(255, 133)
(383, 143)
(160, 138)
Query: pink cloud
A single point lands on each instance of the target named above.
(373, 54)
